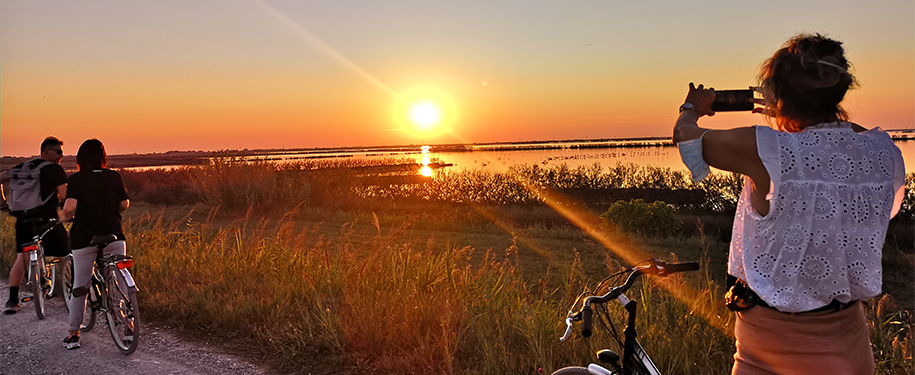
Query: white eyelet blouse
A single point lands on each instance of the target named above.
(832, 195)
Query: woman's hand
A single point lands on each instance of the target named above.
(687, 126)
(767, 109)
(701, 98)
(66, 215)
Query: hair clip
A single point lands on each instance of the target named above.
(832, 65)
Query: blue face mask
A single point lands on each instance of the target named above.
(691, 154)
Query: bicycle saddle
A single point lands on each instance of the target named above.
(103, 240)
(608, 356)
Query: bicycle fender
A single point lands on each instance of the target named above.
(598, 370)
(130, 283)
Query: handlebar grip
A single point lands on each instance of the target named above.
(681, 267)
(586, 321)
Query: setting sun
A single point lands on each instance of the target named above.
(426, 115)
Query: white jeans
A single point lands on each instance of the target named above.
(83, 261)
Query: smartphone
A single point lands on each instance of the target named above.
(732, 100)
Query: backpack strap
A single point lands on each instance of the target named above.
(44, 163)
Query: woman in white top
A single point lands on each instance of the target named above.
(811, 221)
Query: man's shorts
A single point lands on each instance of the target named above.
(56, 243)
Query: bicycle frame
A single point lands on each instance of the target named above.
(37, 270)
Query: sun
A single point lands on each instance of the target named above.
(425, 115)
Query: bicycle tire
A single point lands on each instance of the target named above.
(51, 274)
(573, 370)
(90, 312)
(35, 278)
(65, 275)
(123, 313)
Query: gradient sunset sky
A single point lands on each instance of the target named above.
(154, 76)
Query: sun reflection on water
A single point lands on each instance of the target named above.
(425, 170)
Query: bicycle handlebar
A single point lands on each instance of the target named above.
(655, 267)
(44, 229)
(586, 321)
(681, 267)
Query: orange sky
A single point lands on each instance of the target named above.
(158, 76)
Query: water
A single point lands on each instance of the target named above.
(499, 157)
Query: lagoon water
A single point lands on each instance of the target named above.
(500, 157)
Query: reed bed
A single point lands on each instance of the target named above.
(268, 187)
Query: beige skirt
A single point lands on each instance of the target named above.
(834, 342)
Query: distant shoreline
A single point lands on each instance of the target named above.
(187, 158)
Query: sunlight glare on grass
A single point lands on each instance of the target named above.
(588, 222)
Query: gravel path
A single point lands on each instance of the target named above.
(32, 346)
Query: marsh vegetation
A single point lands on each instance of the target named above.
(316, 267)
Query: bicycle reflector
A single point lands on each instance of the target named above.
(126, 263)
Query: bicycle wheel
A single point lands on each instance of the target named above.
(123, 312)
(51, 274)
(37, 279)
(65, 275)
(575, 370)
(90, 311)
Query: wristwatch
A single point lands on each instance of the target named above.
(688, 107)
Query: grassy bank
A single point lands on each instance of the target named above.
(392, 304)
(304, 268)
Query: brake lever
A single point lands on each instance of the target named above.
(568, 329)
(570, 317)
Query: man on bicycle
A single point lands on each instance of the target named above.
(51, 189)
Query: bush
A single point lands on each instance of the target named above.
(656, 219)
(907, 210)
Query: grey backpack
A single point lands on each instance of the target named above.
(25, 187)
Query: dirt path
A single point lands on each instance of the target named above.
(32, 346)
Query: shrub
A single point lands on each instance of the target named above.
(907, 210)
(655, 219)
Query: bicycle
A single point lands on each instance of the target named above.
(635, 360)
(112, 291)
(42, 276)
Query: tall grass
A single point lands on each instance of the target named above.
(514, 186)
(314, 304)
(268, 187)
(311, 298)
(7, 244)
(271, 187)
(304, 301)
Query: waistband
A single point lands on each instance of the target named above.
(833, 306)
(747, 294)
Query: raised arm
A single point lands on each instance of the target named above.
(731, 150)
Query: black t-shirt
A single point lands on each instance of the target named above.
(98, 194)
(50, 177)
